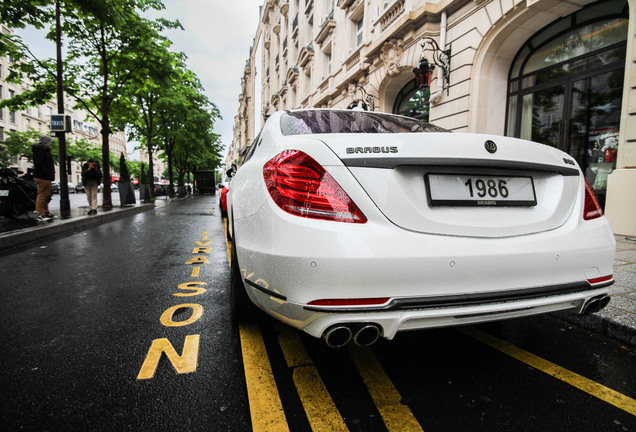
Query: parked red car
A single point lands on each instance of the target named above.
(223, 201)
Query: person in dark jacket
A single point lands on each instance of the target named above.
(43, 174)
(91, 177)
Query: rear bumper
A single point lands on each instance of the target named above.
(392, 321)
(431, 280)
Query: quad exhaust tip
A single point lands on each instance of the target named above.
(595, 304)
(340, 335)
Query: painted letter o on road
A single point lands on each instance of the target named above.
(166, 317)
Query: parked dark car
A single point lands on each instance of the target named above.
(55, 187)
(79, 187)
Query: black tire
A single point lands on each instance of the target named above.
(240, 304)
(6, 209)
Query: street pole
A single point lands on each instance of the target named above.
(65, 203)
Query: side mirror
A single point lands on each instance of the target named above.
(230, 173)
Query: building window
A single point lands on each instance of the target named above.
(359, 31)
(11, 113)
(413, 102)
(327, 58)
(566, 85)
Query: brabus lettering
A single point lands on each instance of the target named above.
(375, 150)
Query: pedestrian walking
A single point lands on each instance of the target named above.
(43, 174)
(91, 177)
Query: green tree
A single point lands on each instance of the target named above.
(138, 108)
(81, 150)
(124, 173)
(108, 41)
(19, 144)
(187, 120)
(115, 53)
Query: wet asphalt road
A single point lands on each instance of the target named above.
(80, 314)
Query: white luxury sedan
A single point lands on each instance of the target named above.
(354, 225)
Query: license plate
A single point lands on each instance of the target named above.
(480, 190)
(4, 192)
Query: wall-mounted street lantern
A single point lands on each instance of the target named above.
(366, 102)
(424, 72)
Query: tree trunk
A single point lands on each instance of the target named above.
(107, 200)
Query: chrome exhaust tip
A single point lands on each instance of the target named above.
(595, 304)
(337, 336)
(367, 335)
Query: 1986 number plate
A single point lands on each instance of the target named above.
(4, 192)
(479, 190)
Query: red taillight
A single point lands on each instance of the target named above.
(301, 186)
(601, 279)
(373, 301)
(592, 209)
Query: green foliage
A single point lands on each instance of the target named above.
(124, 174)
(81, 150)
(143, 173)
(5, 157)
(19, 144)
(134, 168)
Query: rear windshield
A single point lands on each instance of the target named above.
(325, 122)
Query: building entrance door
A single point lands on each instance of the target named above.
(566, 85)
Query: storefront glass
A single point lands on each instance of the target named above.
(566, 86)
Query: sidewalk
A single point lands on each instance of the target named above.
(617, 320)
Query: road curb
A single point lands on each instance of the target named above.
(601, 325)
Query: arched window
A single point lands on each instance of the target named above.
(413, 101)
(566, 85)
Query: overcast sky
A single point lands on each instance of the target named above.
(216, 38)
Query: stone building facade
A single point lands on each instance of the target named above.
(557, 72)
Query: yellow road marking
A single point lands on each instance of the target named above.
(397, 416)
(184, 363)
(320, 409)
(593, 388)
(266, 407)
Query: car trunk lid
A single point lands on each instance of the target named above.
(463, 184)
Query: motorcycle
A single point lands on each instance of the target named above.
(17, 193)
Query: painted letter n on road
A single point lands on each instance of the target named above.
(184, 363)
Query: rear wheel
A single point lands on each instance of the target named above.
(240, 304)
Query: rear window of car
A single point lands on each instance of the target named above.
(329, 122)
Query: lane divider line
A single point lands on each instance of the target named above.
(397, 416)
(266, 408)
(593, 388)
(321, 411)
